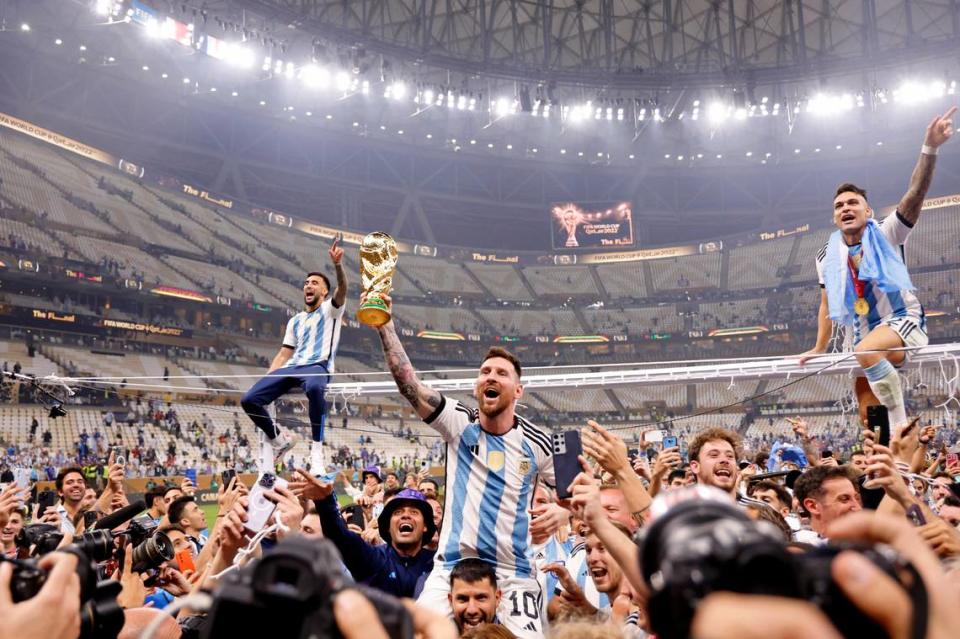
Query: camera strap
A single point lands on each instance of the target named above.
(920, 603)
(251, 547)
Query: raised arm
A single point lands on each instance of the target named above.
(281, 358)
(824, 329)
(424, 399)
(340, 293)
(938, 131)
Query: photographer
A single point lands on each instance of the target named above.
(405, 524)
(54, 613)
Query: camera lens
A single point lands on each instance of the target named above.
(97, 544)
(152, 552)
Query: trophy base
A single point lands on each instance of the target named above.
(373, 312)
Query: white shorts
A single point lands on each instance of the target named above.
(519, 610)
(910, 331)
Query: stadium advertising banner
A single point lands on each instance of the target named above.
(576, 226)
(644, 254)
(62, 141)
(151, 329)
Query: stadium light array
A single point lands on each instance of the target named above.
(915, 91)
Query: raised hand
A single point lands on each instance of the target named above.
(309, 487)
(336, 252)
(940, 129)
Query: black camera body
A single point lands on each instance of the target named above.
(100, 615)
(701, 546)
(43, 538)
(289, 593)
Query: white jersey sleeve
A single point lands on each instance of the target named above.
(290, 336)
(450, 418)
(896, 229)
(331, 311)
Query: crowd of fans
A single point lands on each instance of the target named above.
(599, 576)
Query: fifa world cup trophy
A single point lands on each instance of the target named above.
(378, 263)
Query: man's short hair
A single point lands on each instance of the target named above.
(66, 471)
(765, 484)
(176, 527)
(496, 351)
(848, 187)
(766, 512)
(676, 473)
(473, 570)
(436, 486)
(390, 493)
(154, 495)
(326, 280)
(177, 506)
(810, 483)
(951, 500)
(710, 435)
(944, 475)
(167, 489)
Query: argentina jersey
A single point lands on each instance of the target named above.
(314, 336)
(577, 567)
(884, 307)
(551, 551)
(490, 484)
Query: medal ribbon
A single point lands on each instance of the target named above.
(859, 286)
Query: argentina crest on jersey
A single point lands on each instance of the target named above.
(524, 466)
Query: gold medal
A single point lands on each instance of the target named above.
(860, 307)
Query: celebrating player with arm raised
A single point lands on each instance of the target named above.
(865, 283)
(494, 461)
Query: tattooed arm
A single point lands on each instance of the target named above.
(336, 256)
(424, 399)
(939, 131)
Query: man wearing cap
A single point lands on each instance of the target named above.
(406, 522)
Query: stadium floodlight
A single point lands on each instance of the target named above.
(239, 56)
(267, 63)
(342, 81)
(58, 42)
(829, 105)
(461, 102)
(504, 106)
(913, 91)
(428, 97)
(397, 90)
(718, 112)
(472, 105)
(365, 87)
(24, 27)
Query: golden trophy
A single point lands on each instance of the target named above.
(378, 262)
(570, 217)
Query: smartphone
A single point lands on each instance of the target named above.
(566, 465)
(651, 454)
(869, 497)
(632, 453)
(89, 519)
(953, 458)
(259, 508)
(916, 516)
(191, 474)
(46, 499)
(226, 476)
(22, 477)
(184, 559)
(355, 515)
(879, 422)
(826, 454)
(669, 442)
(654, 436)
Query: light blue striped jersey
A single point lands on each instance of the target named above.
(490, 483)
(883, 306)
(577, 567)
(315, 335)
(551, 551)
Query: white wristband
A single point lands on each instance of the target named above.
(929, 150)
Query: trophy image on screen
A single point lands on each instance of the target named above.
(378, 262)
(570, 217)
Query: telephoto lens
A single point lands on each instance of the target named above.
(152, 552)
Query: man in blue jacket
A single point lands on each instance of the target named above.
(397, 566)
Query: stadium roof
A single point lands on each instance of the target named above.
(623, 43)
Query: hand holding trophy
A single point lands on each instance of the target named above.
(378, 263)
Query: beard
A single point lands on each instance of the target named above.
(494, 411)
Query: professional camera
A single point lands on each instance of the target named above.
(288, 594)
(702, 546)
(150, 547)
(100, 616)
(43, 538)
